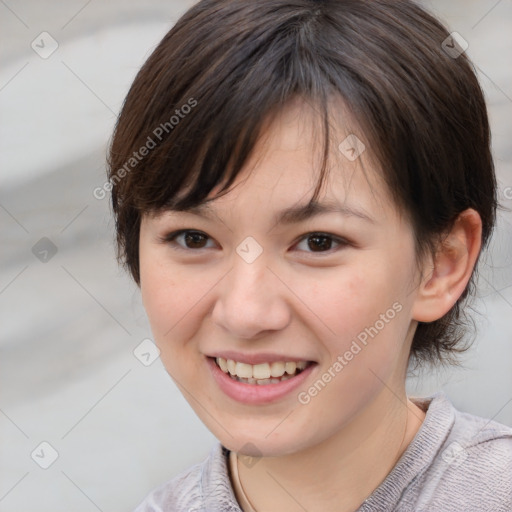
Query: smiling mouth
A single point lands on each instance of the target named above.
(261, 374)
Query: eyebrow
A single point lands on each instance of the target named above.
(291, 215)
(304, 212)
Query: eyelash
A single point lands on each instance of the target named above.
(170, 238)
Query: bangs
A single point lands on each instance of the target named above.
(248, 80)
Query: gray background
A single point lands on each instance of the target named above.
(69, 325)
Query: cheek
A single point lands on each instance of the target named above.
(173, 298)
(348, 300)
(363, 320)
(157, 288)
(163, 295)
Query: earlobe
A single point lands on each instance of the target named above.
(451, 269)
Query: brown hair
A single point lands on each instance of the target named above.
(234, 63)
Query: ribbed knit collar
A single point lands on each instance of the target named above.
(218, 494)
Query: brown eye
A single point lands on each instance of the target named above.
(189, 239)
(194, 240)
(320, 242)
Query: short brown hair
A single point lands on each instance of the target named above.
(236, 63)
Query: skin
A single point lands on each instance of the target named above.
(331, 453)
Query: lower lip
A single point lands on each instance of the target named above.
(256, 393)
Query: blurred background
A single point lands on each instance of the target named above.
(89, 419)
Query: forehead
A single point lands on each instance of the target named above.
(278, 180)
(285, 165)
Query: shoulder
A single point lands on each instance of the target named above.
(180, 493)
(204, 486)
(482, 446)
(473, 468)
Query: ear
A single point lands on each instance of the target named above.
(451, 268)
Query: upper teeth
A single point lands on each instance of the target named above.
(259, 371)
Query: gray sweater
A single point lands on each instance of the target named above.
(457, 462)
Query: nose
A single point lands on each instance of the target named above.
(251, 301)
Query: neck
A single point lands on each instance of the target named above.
(339, 473)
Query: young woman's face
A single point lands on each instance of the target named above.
(334, 289)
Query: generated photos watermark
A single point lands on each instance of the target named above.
(454, 45)
(357, 345)
(157, 135)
